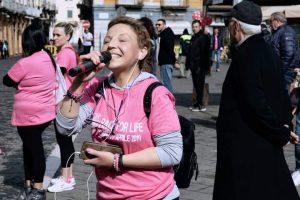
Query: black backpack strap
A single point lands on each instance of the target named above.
(148, 97)
(100, 90)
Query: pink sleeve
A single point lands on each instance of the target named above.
(90, 92)
(62, 59)
(17, 72)
(163, 117)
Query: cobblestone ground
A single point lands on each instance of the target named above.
(11, 164)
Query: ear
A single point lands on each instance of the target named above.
(143, 53)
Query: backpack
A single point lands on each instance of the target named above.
(188, 165)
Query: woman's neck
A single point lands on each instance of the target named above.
(123, 78)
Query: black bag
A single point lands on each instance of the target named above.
(184, 172)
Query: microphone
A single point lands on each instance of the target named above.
(88, 65)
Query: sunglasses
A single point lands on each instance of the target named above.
(158, 24)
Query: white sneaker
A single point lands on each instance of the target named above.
(296, 177)
(61, 178)
(61, 185)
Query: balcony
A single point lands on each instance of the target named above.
(174, 4)
(129, 3)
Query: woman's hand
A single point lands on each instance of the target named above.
(94, 56)
(294, 138)
(103, 159)
(80, 80)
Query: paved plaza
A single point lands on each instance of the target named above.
(11, 162)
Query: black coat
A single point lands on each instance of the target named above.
(166, 53)
(250, 128)
(199, 55)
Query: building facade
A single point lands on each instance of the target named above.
(177, 13)
(15, 15)
(68, 11)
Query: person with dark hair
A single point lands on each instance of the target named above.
(151, 61)
(199, 62)
(216, 48)
(87, 43)
(34, 105)
(5, 49)
(255, 120)
(151, 146)
(166, 54)
(66, 58)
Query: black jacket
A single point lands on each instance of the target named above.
(199, 55)
(166, 53)
(285, 43)
(250, 128)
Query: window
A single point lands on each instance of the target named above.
(70, 14)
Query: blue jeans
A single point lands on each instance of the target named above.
(166, 76)
(297, 146)
(216, 57)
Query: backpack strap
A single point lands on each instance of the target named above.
(100, 90)
(148, 97)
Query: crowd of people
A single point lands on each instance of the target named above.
(253, 126)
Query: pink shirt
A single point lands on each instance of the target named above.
(66, 57)
(133, 134)
(34, 100)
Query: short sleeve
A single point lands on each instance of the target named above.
(163, 117)
(17, 73)
(62, 60)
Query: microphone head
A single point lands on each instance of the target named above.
(106, 56)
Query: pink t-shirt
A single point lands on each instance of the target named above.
(34, 101)
(133, 134)
(66, 57)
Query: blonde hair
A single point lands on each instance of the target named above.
(68, 27)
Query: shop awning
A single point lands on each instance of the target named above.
(179, 26)
(292, 11)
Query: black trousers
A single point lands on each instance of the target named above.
(33, 151)
(66, 148)
(198, 78)
(86, 49)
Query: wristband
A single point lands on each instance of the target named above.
(116, 162)
(121, 166)
(74, 96)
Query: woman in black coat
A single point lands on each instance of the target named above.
(254, 122)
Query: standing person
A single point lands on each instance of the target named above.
(151, 61)
(166, 55)
(66, 58)
(199, 62)
(34, 105)
(153, 146)
(216, 48)
(254, 122)
(5, 49)
(1, 49)
(87, 41)
(185, 43)
(285, 43)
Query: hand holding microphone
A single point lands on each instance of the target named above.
(88, 65)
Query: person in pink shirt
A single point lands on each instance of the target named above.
(151, 146)
(66, 59)
(34, 105)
